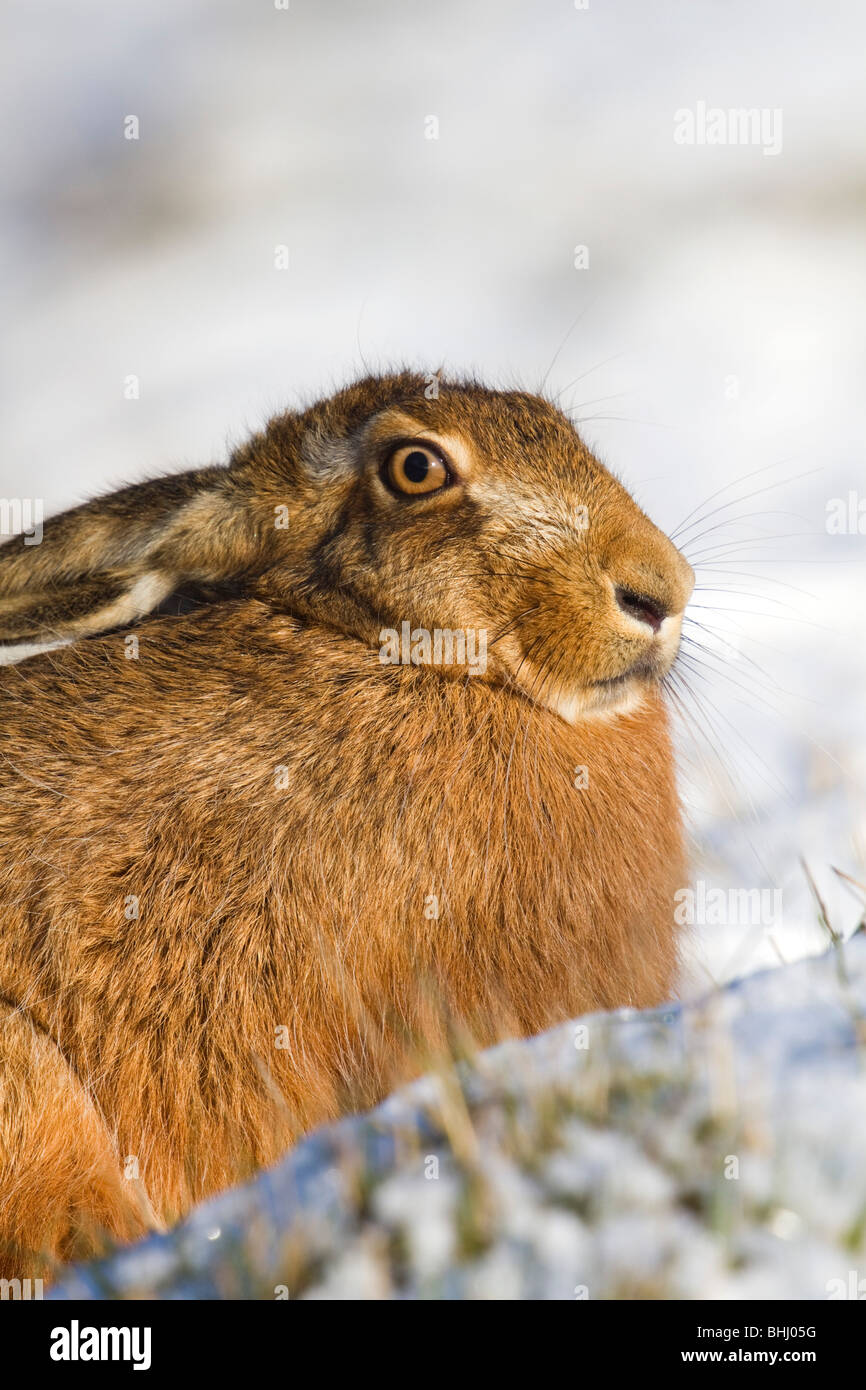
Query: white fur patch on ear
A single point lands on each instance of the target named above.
(10, 656)
(141, 598)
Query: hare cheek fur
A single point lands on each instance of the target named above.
(254, 875)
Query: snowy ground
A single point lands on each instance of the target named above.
(716, 1150)
(716, 331)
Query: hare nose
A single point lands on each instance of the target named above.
(641, 606)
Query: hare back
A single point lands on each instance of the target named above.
(252, 875)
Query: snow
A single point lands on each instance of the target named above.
(713, 352)
(715, 1149)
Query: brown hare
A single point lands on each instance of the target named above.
(366, 742)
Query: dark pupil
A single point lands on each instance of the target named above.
(416, 466)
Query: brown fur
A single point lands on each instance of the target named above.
(310, 909)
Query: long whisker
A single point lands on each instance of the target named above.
(750, 519)
(720, 492)
(553, 361)
(509, 627)
(743, 656)
(707, 654)
(746, 543)
(737, 501)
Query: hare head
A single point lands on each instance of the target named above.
(460, 509)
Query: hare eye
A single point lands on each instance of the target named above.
(415, 468)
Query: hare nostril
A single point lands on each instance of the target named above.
(641, 606)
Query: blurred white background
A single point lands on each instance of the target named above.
(717, 329)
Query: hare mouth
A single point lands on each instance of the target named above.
(602, 700)
(617, 682)
(642, 673)
(614, 695)
(605, 699)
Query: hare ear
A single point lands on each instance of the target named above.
(107, 563)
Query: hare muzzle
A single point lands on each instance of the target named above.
(651, 585)
(599, 622)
